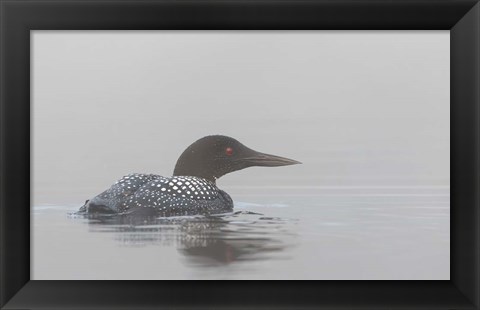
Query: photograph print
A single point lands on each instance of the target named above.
(240, 155)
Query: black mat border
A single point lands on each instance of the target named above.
(18, 17)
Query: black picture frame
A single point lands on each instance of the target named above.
(18, 17)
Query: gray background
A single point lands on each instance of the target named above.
(358, 108)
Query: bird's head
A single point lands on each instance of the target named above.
(214, 156)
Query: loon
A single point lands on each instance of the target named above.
(192, 189)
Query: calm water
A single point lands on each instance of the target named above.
(327, 233)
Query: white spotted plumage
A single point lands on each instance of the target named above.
(177, 195)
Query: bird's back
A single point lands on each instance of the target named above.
(149, 194)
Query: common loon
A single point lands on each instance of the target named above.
(191, 190)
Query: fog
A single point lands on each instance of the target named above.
(358, 108)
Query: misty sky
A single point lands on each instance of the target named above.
(358, 108)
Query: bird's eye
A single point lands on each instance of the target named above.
(229, 151)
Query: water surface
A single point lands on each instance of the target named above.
(328, 233)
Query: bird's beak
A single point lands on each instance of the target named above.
(267, 160)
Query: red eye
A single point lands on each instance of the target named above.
(229, 151)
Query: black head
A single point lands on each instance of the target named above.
(214, 156)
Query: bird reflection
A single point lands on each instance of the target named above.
(203, 240)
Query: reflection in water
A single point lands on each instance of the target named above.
(204, 240)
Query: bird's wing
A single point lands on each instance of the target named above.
(172, 195)
(115, 197)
